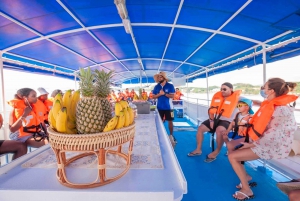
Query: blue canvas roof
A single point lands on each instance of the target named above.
(184, 38)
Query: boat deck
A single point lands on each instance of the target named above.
(216, 181)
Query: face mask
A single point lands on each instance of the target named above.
(262, 93)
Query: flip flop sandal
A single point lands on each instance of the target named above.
(251, 184)
(247, 197)
(209, 160)
(191, 154)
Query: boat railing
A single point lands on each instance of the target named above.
(196, 108)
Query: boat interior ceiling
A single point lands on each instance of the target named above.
(138, 38)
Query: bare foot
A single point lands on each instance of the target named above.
(213, 154)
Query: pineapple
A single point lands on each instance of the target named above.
(102, 90)
(91, 110)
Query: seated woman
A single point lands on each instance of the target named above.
(271, 132)
(24, 123)
(9, 146)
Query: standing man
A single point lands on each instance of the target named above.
(164, 93)
(221, 112)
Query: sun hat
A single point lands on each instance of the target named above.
(41, 91)
(160, 74)
(248, 102)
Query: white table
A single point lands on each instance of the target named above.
(40, 184)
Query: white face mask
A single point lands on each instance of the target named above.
(263, 94)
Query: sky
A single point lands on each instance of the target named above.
(288, 69)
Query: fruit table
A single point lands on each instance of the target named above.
(143, 181)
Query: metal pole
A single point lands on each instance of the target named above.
(141, 76)
(187, 95)
(207, 93)
(3, 95)
(75, 80)
(197, 110)
(264, 64)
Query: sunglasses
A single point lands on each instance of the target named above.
(223, 89)
(241, 105)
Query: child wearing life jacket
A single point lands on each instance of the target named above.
(236, 128)
(44, 104)
(24, 123)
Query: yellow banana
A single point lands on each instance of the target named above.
(121, 121)
(74, 101)
(67, 99)
(127, 118)
(55, 109)
(51, 120)
(58, 97)
(61, 121)
(124, 104)
(131, 115)
(111, 124)
(118, 108)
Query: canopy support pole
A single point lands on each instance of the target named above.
(75, 79)
(3, 96)
(207, 92)
(264, 64)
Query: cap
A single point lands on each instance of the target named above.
(41, 91)
(249, 103)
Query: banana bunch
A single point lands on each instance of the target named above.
(124, 117)
(62, 115)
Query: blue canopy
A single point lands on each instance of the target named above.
(138, 38)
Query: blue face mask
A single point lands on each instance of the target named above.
(262, 93)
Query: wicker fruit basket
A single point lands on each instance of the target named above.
(89, 144)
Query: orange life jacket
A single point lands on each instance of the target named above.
(132, 94)
(32, 122)
(219, 103)
(151, 95)
(177, 95)
(258, 123)
(127, 93)
(40, 110)
(48, 103)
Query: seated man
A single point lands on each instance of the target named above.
(221, 112)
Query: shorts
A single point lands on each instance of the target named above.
(230, 135)
(168, 114)
(1, 142)
(223, 123)
(15, 136)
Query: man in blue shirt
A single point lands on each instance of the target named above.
(164, 93)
